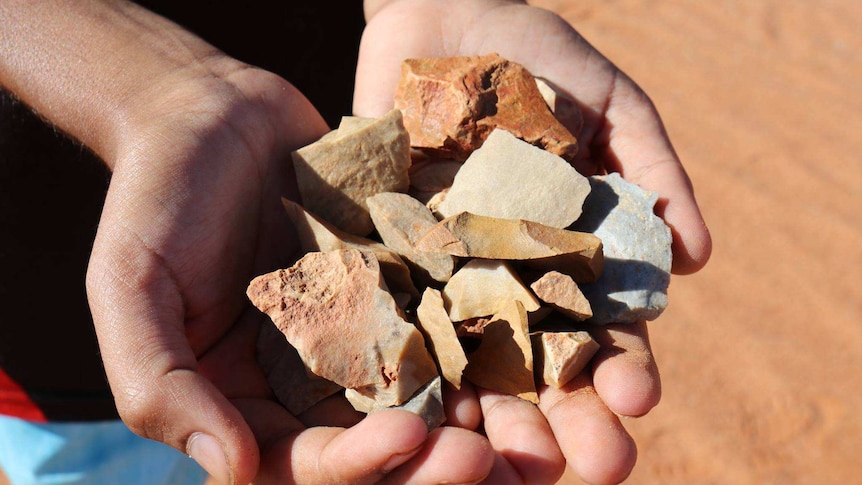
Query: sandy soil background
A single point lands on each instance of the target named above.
(761, 352)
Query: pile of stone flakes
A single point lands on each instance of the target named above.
(469, 185)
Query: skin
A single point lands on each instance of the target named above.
(197, 143)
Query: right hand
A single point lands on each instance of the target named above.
(199, 145)
(193, 212)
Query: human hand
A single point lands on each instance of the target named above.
(623, 133)
(198, 144)
(192, 214)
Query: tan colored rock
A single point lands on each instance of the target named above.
(334, 310)
(504, 360)
(400, 221)
(482, 287)
(562, 293)
(510, 179)
(560, 356)
(336, 174)
(475, 236)
(564, 107)
(451, 104)
(434, 202)
(349, 124)
(440, 335)
(315, 234)
(472, 327)
(536, 317)
(433, 175)
(427, 403)
(294, 386)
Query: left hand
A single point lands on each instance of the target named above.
(623, 133)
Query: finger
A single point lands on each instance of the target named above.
(378, 67)
(231, 364)
(625, 374)
(590, 435)
(332, 411)
(151, 368)
(639, 148)
(461, 406)
(522, 436)
(364, 453)
(450, 455)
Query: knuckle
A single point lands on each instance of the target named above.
(141, 409)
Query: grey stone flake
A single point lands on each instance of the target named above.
(637, 250)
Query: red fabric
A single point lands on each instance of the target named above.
(15, 402)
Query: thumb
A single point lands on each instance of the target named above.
(138, 314)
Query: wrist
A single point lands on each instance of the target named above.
(88, 66)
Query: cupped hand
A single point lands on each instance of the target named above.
(193, 212)
(622, 132)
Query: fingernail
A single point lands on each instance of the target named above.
(207, 451)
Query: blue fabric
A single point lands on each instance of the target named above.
(91, 453)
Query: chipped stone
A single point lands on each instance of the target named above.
(564, 107)
(560, 356)
(315, 234)
(434, 202)
(336, 174)
(350, 124)
(536, 317)
(427, 403)
(482, 287)
(473, 327)
(400, 221)
(470, 235)
(433, 175)
(637, 248)
(334, 310)
(451, 104)
(430, 177)
(562, 293)
(510, 179)
(294, 386)
(440, 335)
(504, 360)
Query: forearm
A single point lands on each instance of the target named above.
(90, 67)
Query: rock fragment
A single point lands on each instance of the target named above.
(315, 234)
(504, 360)
(427, 403)
(349, 124)
(562, 293)
(433, 175)
(440, 335)
(337, 173)
(470, 235)
(560, 356)
(400, 221)
(295, 387)
(564, 107)
(637, 248)
(333, 309)
(483, 287)
(451, 104)
(510, 179)
(430, 177)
